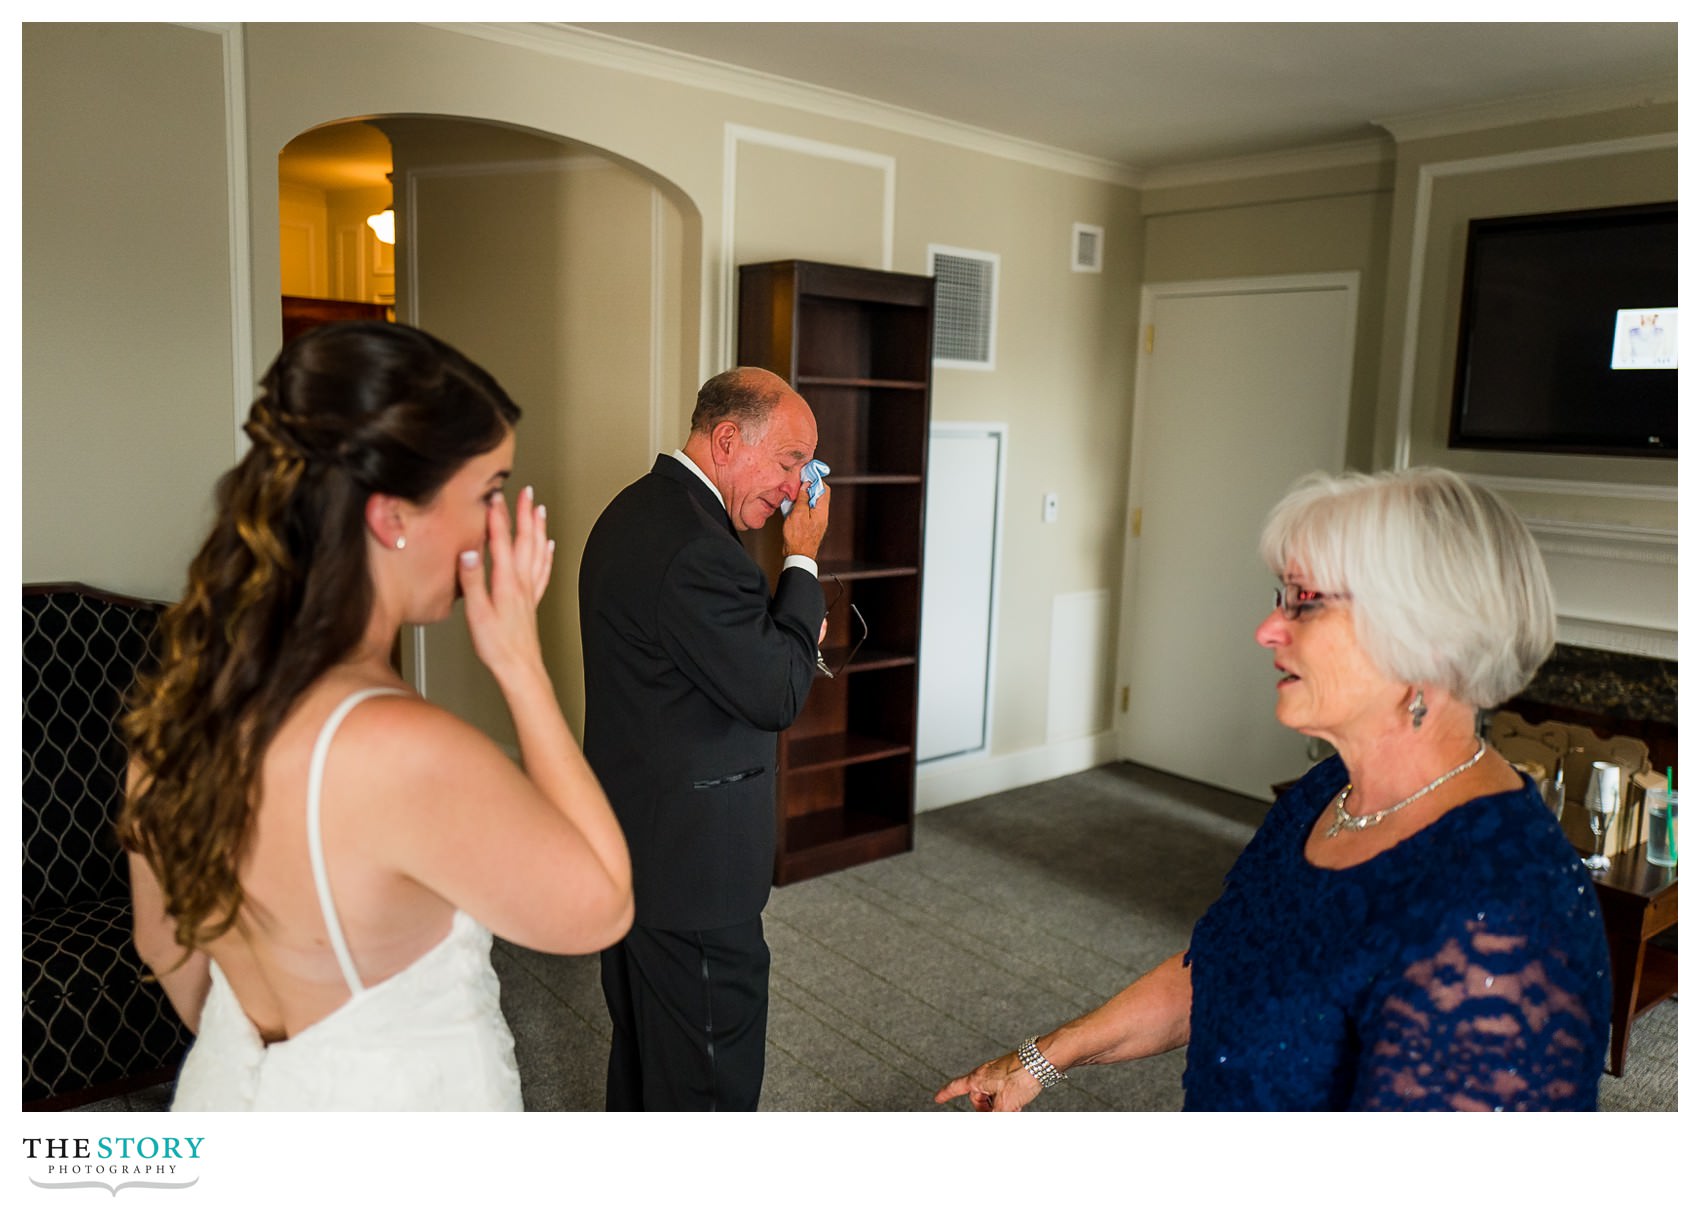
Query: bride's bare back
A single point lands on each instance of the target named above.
(278, 959)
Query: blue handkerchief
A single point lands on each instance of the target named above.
(813, 471)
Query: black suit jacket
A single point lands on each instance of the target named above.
(690, 671)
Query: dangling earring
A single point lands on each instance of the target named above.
(400, 542)
(1418, 709)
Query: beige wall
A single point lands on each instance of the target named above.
(788, 198)
(128, 416)
(1063, 385)
(1065, 367)
(1318, 221)
(559, 271)
(131, 397)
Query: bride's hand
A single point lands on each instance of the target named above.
(502, 615)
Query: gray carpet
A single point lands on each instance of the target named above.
(1014, 913)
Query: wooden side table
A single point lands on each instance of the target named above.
(1637, 901)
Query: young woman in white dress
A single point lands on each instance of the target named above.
(319, 855)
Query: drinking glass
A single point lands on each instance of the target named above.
(1661, 827)
(1605, 794)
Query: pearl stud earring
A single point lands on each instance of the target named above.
(400, 542)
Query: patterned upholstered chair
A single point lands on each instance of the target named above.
(92, 1027)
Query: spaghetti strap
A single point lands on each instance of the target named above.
(315, 842)
(429, 1037)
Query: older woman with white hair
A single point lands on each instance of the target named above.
(1409, 928)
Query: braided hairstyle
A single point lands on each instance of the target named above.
(280, 591)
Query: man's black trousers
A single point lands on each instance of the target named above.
(690, 1019)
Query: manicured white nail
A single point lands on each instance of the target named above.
(542, 511)
(551, 547)
(469, 560)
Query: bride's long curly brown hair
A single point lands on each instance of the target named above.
(280, 590)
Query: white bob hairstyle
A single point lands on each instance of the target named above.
(1446, 583)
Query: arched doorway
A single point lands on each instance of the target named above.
(571, 275)
(334, 261)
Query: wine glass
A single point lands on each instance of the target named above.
(1605, 794)
(1551, 791)
(1555, 791)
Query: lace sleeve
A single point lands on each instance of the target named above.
(1495, 1018)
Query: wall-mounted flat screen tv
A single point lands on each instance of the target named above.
(1568, 334)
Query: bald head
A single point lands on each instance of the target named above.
(744, 395)
(751, 435)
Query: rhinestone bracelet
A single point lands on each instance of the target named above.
(1047, 1074)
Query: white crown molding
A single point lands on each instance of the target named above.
(1605, 541)
(1617, 637)
(1574, 488)
(1463, 119)
(1268, 164)
(602, 50)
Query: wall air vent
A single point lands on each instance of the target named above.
(1088, 246)
(965, 307)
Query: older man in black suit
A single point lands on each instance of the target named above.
(691, 670)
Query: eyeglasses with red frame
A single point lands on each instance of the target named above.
(1296, 603)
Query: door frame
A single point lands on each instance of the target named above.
(1150, 294)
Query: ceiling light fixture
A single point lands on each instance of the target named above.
(383, 225)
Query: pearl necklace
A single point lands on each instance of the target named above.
(1345, 821)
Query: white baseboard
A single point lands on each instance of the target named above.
(953, 781)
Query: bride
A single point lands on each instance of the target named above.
(318, 856)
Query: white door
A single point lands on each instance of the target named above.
(1242, 387)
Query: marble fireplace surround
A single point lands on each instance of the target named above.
(1612, 693)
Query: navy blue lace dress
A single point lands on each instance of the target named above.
(1465, 967)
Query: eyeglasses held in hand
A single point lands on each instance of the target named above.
(862, 626)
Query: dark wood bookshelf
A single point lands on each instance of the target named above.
(897, 479)
(855, 570)
(857, 345)
(906, 385)
(302, 313)
(866, 658)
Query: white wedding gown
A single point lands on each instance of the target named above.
(430, 1038)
